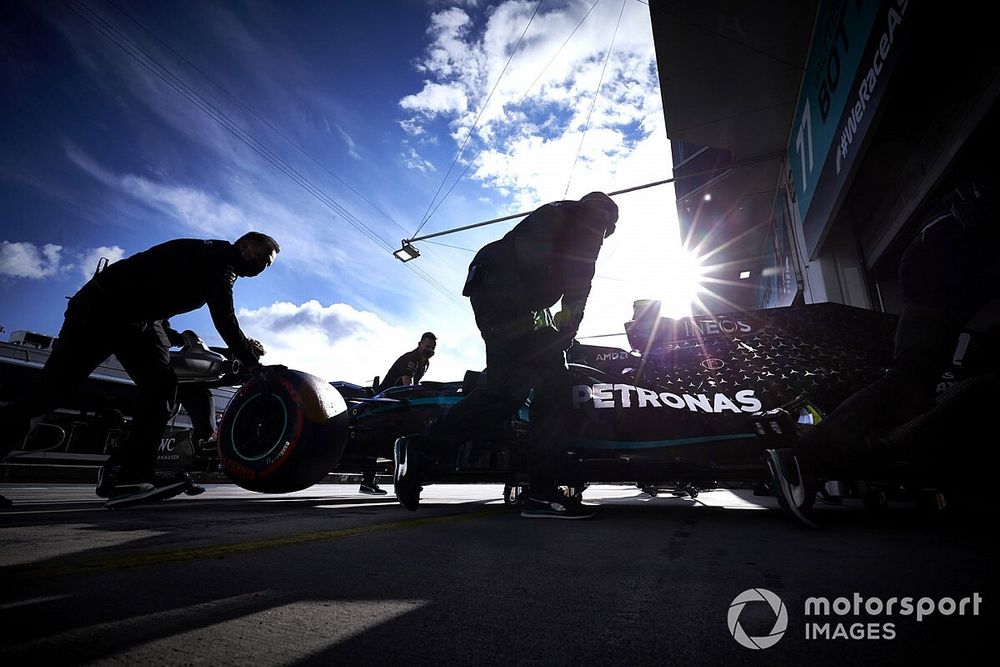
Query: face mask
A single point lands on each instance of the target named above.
(253, 266)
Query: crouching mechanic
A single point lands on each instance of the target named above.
(511, 283)
(118, 312)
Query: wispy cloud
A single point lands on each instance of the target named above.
(349, 142)
(413, 160)
(413, 127)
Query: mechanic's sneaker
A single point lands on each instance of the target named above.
(190, 487)
(564, 508)
(107, 479)
(793, 484)
(126, 494)
(406, 473)
(372, 489)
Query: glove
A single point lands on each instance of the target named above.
(563, 319)
(256, 347)
(190, 338)
(567, 323)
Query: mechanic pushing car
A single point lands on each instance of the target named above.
(404, 372)
(511, 284)
(118, 312)
(948, 272)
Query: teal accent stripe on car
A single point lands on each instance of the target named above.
(651, 444)
(402, 405)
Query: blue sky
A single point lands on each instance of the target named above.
(360, 109)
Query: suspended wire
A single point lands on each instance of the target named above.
(765, 157)
(451, 246)
(250, 110)
(426, 217)
(164, 74)
(597, 94)
(134, 51)
(521, 99)
(263, 120)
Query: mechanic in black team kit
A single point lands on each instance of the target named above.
(118, 312)
(948, 272)
(412, 366)
(512, 282)
(405, 371)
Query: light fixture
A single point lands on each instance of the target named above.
(708, 196)
(406, 252)
(744, 275)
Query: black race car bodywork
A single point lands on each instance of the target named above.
(684, 408)
(687, 408)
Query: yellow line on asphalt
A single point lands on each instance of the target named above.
(30, 573)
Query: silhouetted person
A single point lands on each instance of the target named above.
(511, 283)
(948, 272)
(411, 366)
(117, 312)
(405, 371)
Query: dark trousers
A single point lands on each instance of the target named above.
(199, 403)
(368, 474)
(517, 365)
(946, 275)
(88, 337)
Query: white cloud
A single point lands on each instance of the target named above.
(436, 99)
(26, 260)
(341, 342)
(412, 127)
(413, 160)
(532, 125)
(530, 138)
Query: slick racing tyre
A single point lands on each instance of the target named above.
(283, 431)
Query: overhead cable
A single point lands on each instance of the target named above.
(475, 124)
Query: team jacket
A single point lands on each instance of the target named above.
(548, 255)
(168, 279)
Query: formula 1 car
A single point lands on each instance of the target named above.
(692, 407)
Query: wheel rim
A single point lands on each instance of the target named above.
(259, 427)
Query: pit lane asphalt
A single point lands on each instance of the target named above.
(328, 576)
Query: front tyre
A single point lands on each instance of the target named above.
(282, 432)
